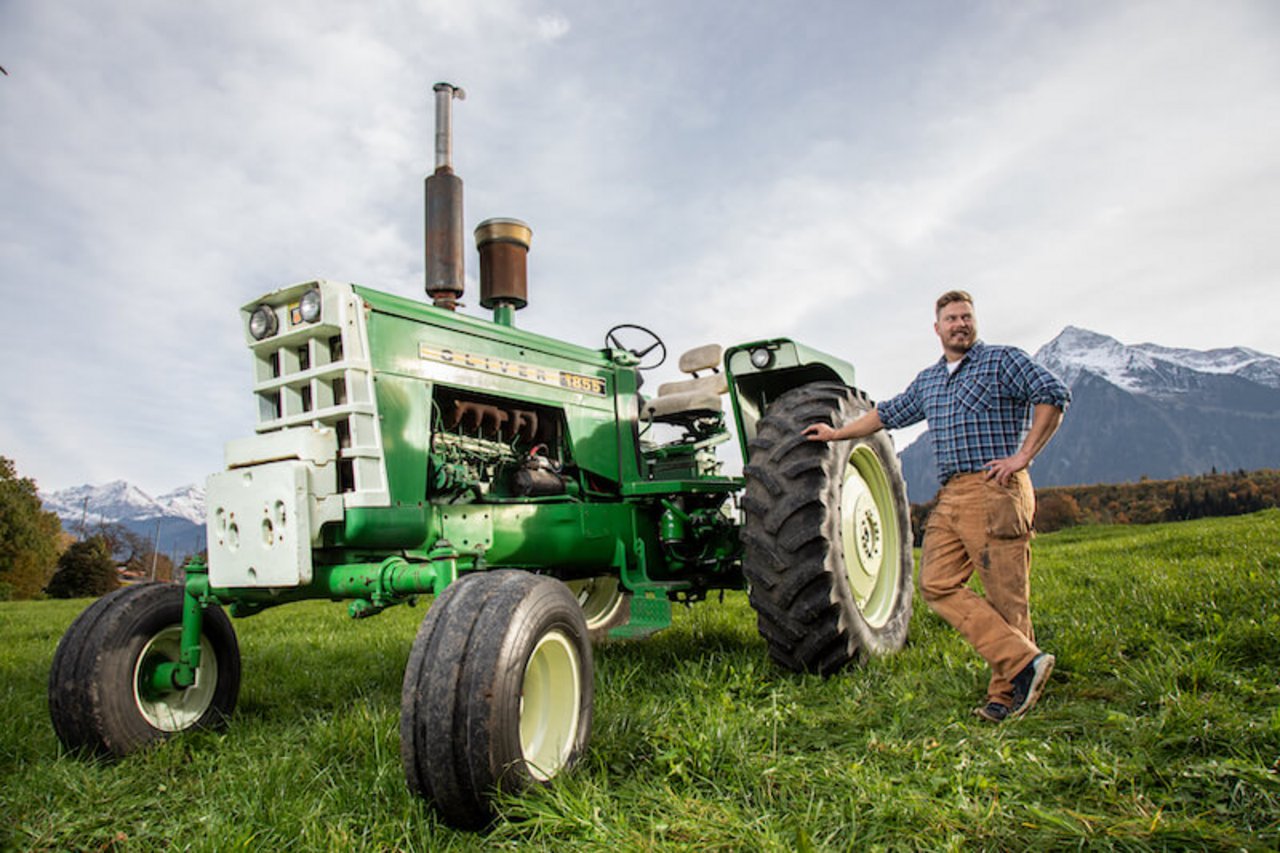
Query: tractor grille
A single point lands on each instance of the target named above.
(318, 374)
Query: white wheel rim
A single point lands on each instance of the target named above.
(549, 705)
(599, 597)
(178, 709)
(869, 537)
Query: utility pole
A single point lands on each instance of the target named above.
(155, 543)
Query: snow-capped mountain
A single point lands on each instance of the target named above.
(121, 501)
(184, 502)
(177, 516)
(1151, 368)
(1145, 410)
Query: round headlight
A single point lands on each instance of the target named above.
(309, 306)
(761, 357)
(263, 322)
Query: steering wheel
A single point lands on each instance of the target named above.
(612, 340)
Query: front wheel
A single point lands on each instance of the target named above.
(605, 604)
(101, 699)
(497, 693)
(827, 535)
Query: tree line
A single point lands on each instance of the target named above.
(1144, 502)
(38, 558)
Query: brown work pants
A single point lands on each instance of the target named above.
(980, 524)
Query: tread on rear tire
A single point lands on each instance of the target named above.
(827, 535)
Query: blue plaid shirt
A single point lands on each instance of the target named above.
(981, 411)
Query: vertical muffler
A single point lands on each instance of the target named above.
(445, 241)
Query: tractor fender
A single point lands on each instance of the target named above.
(759, 372)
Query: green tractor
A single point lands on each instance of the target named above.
(529, 485)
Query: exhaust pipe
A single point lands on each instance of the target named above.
(446, 273)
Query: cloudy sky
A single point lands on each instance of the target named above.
(716, 171)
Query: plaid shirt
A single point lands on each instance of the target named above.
(980, 412)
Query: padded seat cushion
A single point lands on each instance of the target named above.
(713, 384)
(694, 397)
(687, 402)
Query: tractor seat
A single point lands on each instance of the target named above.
(699, 397)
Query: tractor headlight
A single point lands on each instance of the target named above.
(263, 322)
(309, 306)
(761, 357)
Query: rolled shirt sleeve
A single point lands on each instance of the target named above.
(903, 410)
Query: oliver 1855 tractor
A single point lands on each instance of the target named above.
(405, 449)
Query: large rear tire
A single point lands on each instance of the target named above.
(827, 535)
(100, 698)
(497, 693)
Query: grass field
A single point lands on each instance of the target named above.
(1160, 729)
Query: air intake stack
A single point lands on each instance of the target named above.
(504, 279)
(445, 241)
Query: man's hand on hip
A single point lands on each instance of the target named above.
(1001, 470)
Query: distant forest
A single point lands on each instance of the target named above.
(1144, 502)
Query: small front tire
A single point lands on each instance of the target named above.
(497, 693)
(100, 698)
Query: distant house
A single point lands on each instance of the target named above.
(129, 575)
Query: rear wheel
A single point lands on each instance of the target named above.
(827, 535)
(101, 697)
(605, 604)
(497, 693)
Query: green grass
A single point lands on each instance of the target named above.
(1161, 729)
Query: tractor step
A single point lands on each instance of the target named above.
(650, 613)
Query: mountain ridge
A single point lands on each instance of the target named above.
(1134, 367)
(174, 521)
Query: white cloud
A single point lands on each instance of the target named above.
(552, 26)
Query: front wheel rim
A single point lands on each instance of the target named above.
(550, 699)
(175, 710)
(872, 547)
(600, 599)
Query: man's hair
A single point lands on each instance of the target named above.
(951, 296)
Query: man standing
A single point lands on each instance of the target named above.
(990, 410)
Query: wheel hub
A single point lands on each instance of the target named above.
(869, 534)
(176, 710)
